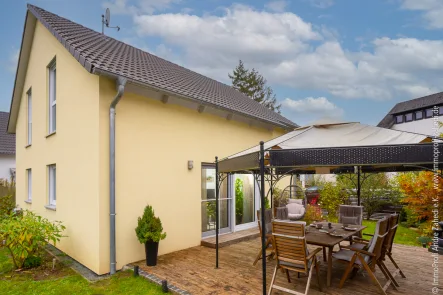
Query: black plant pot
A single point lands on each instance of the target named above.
(151, 251)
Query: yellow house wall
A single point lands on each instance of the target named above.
(154, 143)
(74, 148)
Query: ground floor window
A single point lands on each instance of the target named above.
(52, 185)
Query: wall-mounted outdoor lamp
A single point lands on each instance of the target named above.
(190, 164)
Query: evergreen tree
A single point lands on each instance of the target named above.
(253, 84)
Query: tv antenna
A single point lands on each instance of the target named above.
(106, 20)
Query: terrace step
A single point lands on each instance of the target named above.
(231, 238)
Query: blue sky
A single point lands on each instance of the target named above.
(327, 60)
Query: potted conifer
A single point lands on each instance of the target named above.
(149, 232)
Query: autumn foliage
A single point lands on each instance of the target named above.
(421, 191)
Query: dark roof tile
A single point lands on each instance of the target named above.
(411, 105)
(7, 140)
(96, 51)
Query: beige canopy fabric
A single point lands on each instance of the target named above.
(338, 135)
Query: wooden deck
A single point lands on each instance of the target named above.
(232, 238)
(193, 270)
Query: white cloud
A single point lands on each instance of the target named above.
(432, 11)
(139, 6)
(313, 110)
(322, 3)
(13, 60)
(276, 5)
(319, 105)
(280, 46)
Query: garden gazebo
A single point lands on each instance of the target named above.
(329, 148)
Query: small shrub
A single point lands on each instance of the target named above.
(32, 261)
(313, 213)
(149, 228)
(7, 206)
(26, 235)
(331, 198)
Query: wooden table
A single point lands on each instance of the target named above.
(315, 237)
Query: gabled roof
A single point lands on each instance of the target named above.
(411, 105)
(100, 54)
(7, 140)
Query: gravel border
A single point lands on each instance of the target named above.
(75, 265)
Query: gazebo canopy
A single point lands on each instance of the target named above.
(334, 148)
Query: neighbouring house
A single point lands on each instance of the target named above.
(7, 149)
(415, 115)
(170, 122)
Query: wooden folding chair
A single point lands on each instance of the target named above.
(292, 254)
(387, 251)
(268, 227)
(358, 258)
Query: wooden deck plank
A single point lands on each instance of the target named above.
(193, 270)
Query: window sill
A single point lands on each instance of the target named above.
(26, 146)
(50, 134)
(51, 207)
(28, 202)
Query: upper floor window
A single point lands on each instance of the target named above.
(399, 119)
(429, 113)
(408, 117)
(52, 97)
(418, 115)
(29, 103)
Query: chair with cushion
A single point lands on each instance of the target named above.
(366, 258)
(350, 215)
(268, 232)
(296, 209)
(386, 251)
(292, 253)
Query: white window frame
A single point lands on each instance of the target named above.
(29, 104)
(52, 97)
(29, 181)
(52, 185)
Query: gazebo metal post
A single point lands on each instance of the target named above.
(272, 190)
(358, 184)
(262, 207)
(216, 211)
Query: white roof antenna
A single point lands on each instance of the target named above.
(106, 20)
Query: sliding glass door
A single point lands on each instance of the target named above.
(208, 203)
(245, 193)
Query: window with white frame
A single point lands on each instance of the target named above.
(29, 116)
(52, 185)
(29, 176)
(52, 97)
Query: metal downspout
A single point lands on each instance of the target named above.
(121, 82)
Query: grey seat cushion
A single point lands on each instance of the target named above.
(358, 246)
(346, 255)
(349, 220)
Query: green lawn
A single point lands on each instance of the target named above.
(404, 235)
(65, 281)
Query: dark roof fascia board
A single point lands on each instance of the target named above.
(86, 64)
(101, 72)
(22, 66)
